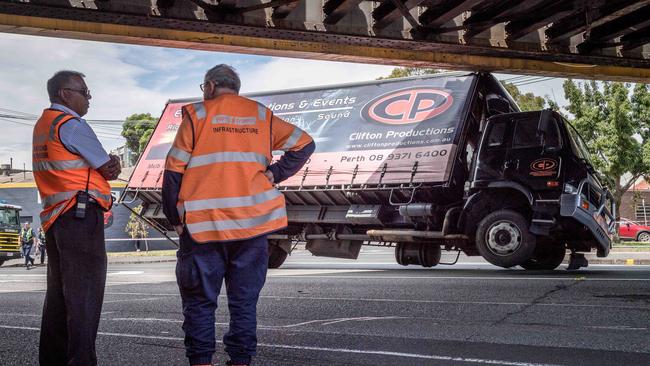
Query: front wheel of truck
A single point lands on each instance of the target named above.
(503, 239)
(546, 258)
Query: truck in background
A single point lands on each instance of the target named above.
(423, 164)
(9, 232)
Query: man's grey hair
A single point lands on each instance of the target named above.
(59, 80)
(224, 76)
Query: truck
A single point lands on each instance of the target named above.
(9, 232)
(422, 164)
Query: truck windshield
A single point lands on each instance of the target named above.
(577, 145)
(8, 217)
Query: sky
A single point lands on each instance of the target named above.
(127, 79)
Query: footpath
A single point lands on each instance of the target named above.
(620, 255)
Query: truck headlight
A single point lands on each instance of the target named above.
(568, 188)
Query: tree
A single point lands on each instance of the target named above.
(136, 127)
(136, 228)
(614, 121)
(528, 101)
(402, 72)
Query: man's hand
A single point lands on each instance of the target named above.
(179, 229)
(112, 169)
(269, 175)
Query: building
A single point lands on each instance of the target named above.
(635, 204)
(126, 156)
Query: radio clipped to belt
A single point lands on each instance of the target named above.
(82, 200)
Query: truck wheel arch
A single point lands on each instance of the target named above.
(504, 195)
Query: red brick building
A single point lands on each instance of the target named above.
(635, 204)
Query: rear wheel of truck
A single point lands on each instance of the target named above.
(503, 239)
(426, 255)
(277, 256)
(546, 258)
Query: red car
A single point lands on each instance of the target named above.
(632, 230)
(108, 219)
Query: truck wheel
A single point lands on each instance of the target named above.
(1, 262)
(643, 236)
(503, 239)
(277, 256)
(426, 255)
(546, 258)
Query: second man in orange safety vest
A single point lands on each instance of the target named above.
(219, 193)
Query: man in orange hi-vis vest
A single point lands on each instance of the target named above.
(71, 170)
(219, 193)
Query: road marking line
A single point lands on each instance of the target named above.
(379, 277)
(128, 300)
(629, 262)
(325, 349)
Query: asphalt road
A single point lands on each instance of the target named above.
(322, 311)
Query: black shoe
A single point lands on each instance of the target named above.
(577, 261)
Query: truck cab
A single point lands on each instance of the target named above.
(535, 193)
(9, 232)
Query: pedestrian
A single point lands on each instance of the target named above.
(27, 245)
(72, 170)
(41, 244)
(218, 175)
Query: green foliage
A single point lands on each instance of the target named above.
(136, 228)
(402, 72)
(135, 129)
(528, 101)
(614, 121)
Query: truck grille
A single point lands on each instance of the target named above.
(9, 242)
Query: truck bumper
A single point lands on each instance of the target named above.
(9, 255)
(570, 206)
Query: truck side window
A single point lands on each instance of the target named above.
(497, 134)
(526, 134)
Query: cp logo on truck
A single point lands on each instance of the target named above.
(543, 165)
(407, 106)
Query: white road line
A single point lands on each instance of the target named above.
(334, 350)
(129, 300)
(491, 278)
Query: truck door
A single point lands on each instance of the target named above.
(534, 158)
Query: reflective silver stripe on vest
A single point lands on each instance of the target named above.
(51, 214)
(222, 225)
(293, 139)
(229, 202)
(261, 112)
(53, 199)
(55, 123)
(40, 166)
(179, 154)
(199, 109)
(228, 157)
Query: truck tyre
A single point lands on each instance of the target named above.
(503, 239)
(277, 256)
(1, 262)
(546, 258)
(643, 236)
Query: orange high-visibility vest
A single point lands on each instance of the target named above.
(222, 148)
(61, 174)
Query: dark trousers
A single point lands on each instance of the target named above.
(200, 271)
(43, 253)
(76, 276)
(26, 249)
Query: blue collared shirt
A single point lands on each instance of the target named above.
(77, 136)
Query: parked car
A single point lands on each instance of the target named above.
(632, 230)
(108, 219)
